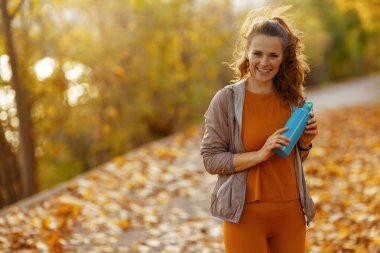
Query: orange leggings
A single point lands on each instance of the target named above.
(275, 227)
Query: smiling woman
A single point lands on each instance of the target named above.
(261, 197)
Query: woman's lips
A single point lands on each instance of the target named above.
(263, 70)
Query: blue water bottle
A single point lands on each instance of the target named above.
(296, 125)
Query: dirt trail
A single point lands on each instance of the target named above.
(348, 93)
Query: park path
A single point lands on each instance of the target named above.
(153, 199)
(347, 93)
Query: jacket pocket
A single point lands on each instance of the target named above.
(224, 185)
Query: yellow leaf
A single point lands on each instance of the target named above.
(119, 161)
(125, 224)
(53, 242)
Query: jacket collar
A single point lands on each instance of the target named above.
(238, 95)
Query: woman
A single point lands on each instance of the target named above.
(261, 197)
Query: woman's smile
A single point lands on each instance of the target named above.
(262, 70)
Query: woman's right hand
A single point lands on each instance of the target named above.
(276, 140)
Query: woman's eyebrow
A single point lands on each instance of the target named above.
(259, 51)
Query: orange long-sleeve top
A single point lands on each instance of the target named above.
(274, 179)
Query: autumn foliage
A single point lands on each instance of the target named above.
(343, 174)
(155, 199)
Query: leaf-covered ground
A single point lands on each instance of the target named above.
(155, 199)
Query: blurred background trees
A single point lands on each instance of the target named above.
(103, 77)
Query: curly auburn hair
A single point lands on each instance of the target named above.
(289, 80)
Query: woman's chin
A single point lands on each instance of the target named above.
(264, 79)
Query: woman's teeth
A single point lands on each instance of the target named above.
(263, 70)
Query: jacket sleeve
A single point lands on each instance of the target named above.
(304, 155)
(215, 143)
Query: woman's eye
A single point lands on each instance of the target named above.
(274, 56)
(256, 54)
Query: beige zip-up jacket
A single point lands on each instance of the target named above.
(222, 139)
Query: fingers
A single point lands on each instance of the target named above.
(283, 138)
(311, 132)
(311, 124)
(283, 142)
(312, 118)
(281, 130)
(311, 127)
(278, 141)
(274, 145)
(278, 138)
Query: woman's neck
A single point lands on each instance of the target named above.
(256, 87)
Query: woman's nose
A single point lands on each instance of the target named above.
(264, 60)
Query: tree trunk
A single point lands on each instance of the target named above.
(10, 182)
(26, 149)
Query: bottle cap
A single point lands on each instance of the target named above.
(308, 105)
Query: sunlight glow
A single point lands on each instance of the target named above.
(246, 5)
(8, 113)
(15, 122)
(5, 68)
(76, 91)
(3, 116)
(73, 71)
(45, 68)
(7, 98)
(12, 137)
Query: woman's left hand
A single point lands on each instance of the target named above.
(310, 132)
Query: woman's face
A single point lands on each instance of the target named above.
(265, 55)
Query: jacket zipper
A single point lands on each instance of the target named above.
(224, 185)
